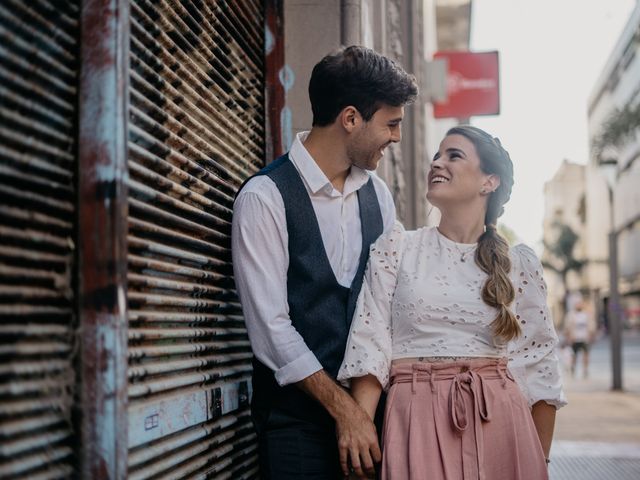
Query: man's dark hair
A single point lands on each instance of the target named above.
(360, 77)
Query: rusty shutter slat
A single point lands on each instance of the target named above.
(196, 132)
(217, 447)
(30, 466)
(173, 65)
(39, 56)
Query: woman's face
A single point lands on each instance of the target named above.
(455, 176)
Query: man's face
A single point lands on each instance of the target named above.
(367, 143)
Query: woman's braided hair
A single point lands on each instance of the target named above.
(492, 254)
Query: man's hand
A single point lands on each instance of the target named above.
(357, 442)
(357, 438)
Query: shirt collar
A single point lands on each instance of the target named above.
(314, 177)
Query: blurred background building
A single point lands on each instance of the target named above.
(586, 202)
(614, 136)
(564, 239)
(126, 127)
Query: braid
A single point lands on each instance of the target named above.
(492, 254)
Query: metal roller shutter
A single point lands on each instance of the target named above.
(196, 131)
(38, 110)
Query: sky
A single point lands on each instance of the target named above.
(551, 54)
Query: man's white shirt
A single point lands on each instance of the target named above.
(261, 256)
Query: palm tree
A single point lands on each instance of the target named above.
(621, 126)
(559, 256)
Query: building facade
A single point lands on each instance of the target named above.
(617, 90)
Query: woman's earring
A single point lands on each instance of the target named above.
(483, 191)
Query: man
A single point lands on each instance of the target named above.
(580, 330)
(301, 234)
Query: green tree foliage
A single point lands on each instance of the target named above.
(621, 126)
(559, 256)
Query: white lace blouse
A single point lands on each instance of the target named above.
(419, 299)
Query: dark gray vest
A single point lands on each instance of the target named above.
(319, 307)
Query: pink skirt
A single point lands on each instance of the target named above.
(465, 420)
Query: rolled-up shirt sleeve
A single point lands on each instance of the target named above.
(369, 346)
(260, 261)
(532, 356)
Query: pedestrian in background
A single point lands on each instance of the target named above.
(301, 233)
(580, 331)
(433, 323)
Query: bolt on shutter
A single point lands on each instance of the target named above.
(38, 98)
(196, 132)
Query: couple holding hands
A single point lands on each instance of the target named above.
(426, 354)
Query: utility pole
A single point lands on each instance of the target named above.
(609, 169)
(615, 327)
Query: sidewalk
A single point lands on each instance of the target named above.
(598, 434)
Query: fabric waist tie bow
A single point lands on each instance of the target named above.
(468, 403)
(471, 384)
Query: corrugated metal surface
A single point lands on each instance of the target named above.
(196, 132)
(38, 96)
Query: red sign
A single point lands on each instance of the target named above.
(473, 86)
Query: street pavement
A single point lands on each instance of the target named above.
(597, 435)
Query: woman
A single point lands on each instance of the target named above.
(440, 313)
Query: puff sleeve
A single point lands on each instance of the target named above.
(532, 356)
(369, 345)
